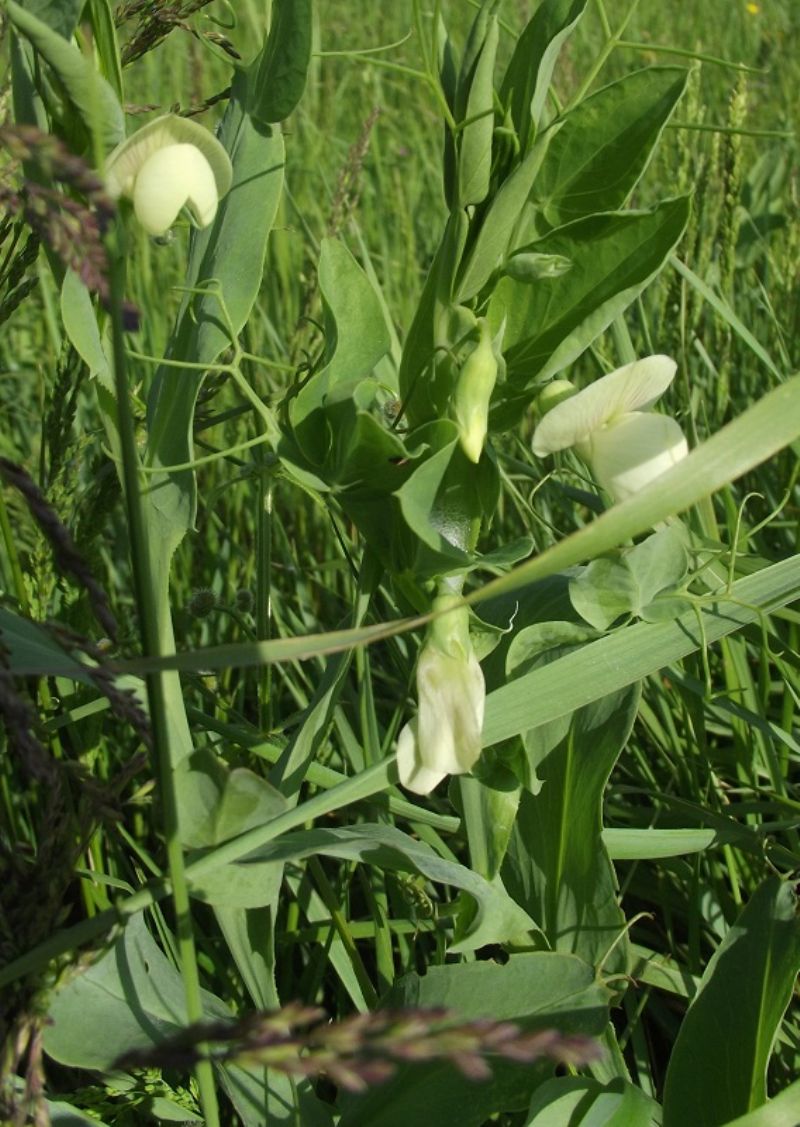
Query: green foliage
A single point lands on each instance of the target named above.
(215, 797)
(717, 1070)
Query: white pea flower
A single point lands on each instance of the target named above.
(610, 425)
(169, 164)
(445, 736)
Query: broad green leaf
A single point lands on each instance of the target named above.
(267, 1098)
(718, 1067)
(130, 998)
(530, 69)
(782, 1111)
(556, 865)
(59, 15)
(603, 592)
(604, 144)
(89, 93)
(658, 563)
(549, 323)
(216, 805)
(475, 142)
(355, 331)
(541, 990)
(626, 656)
(495, 919)
(277, 77)
(580, 1101)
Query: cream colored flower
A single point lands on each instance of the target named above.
(169, 164)
(610, 425)
(445, 736)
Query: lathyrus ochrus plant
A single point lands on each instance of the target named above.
(537, 257)
(540, 252)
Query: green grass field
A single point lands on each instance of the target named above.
(248, 445)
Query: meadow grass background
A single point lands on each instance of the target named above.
(363, 162)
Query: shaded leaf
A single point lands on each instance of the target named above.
(549, 323)
(718, 1066)
(277, 77)
(604, 144)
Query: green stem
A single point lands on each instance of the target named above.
(612, 42)
(147, 601)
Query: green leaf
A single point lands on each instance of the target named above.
(782, 1111)
(541, 990)
(30, 649)
(277, 77)
(495, 919)
(603, 592)
(59, 15)
(605, 143)
(503, 211)
(658, 563)
(92, 97)
(556, 865)
(530, 69)
(580, 1100)
(216, 805)
(651, 844)
(548, 324)
(717, 1070)
(356, 336)
(475, 143)
(626, 656)
(80, 325)
(130, 998)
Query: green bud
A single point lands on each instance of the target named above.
(473, 394)
(554, 393)
(529, 266)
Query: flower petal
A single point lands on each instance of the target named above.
(633, 387)
(171, 177)
(452, 696)
(414, 776)
(124, 163)
(634, 451)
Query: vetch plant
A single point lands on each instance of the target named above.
(445, 736)
(612, 428)
(169, 164)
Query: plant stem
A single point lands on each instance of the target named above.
(147, 602)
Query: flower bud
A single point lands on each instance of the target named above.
(473, 393)
(445, 736)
